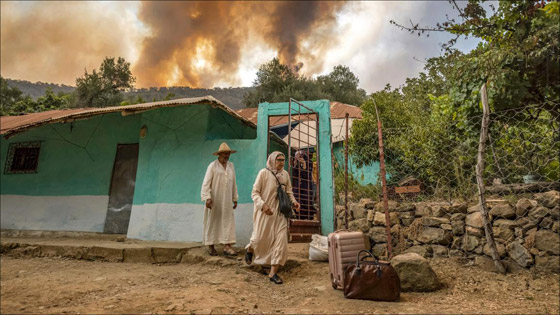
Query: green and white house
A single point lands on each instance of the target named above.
(137, 169)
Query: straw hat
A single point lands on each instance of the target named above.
(224, 148)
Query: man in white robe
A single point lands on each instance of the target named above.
(219, 192)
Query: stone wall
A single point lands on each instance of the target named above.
(526, 230)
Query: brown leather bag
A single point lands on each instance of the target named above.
(371, 280)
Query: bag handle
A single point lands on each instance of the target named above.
(369, 254)
(275, 177)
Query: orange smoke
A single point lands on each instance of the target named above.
(199, 43)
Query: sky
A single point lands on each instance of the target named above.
(218, 44)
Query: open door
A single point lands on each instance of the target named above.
(303, 165)
(121, 192)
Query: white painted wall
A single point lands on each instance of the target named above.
(59, 213)
(182, 222)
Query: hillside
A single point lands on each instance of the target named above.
(233, 97)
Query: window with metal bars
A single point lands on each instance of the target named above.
(23, 158)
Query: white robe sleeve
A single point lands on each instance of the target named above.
(206, 192)
(235, 195)
(257, 189)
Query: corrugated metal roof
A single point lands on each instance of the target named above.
(338, 110)
(13, 124)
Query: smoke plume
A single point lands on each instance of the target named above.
(199, 43)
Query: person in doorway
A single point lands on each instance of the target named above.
(269, 241)
(219, 192)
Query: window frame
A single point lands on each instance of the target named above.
(12, 148)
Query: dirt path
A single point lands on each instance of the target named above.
(54, 285)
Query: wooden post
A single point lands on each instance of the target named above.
(480, 181)
(384, 182)
(346, 175)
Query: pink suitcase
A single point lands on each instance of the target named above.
(344, 247)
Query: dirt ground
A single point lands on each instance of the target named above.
(219, 285)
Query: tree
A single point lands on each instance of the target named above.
(342, 86)
(104, 87)
(276, 82)
(519, 53)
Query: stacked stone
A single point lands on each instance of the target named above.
(527, 233)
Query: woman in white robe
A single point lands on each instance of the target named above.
(269, 240)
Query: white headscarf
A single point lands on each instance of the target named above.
(271, 162)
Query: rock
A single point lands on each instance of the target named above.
(407, 215)
(535, 252)
(407, 222)
(473, 209)
(392, 206)
(537, 214)
(519, 232)
(519, 254)
(433, 221)
(424, 251)
(447, 227)
(546, 223)
(379, 218)
(440, 211)
(458, 208)
(556, 227)
(504, 234)
(549, 199)
(457, 217)
(367, 203)
(478, 250)
(512, 266)
(415, 273)
(379, 250)
(357, 210)
(501, 250)
(506, 223)
(431, 235)
(458, 227)
(474, 231)
(555, 212)
(526, 223)
(378, 234)
(440, 251)
(485, 263)
(339, 210)
(370, 215)
(456, 253)
(548, 263)
(474, 219)
(359, 225)
(423, 209)
(503, 210)
(470, 242)
(456, 244)
(523, 206)
(548, 241)
(406, 207)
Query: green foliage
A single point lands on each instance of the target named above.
(14, 102)
(431, 125)
(104, 87)
(276, 82)
(356, 190)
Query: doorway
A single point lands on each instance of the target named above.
(121, 193)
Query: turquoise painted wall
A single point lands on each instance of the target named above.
(178, 148)
(367, 174)
(322, 107)
(75, 158)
